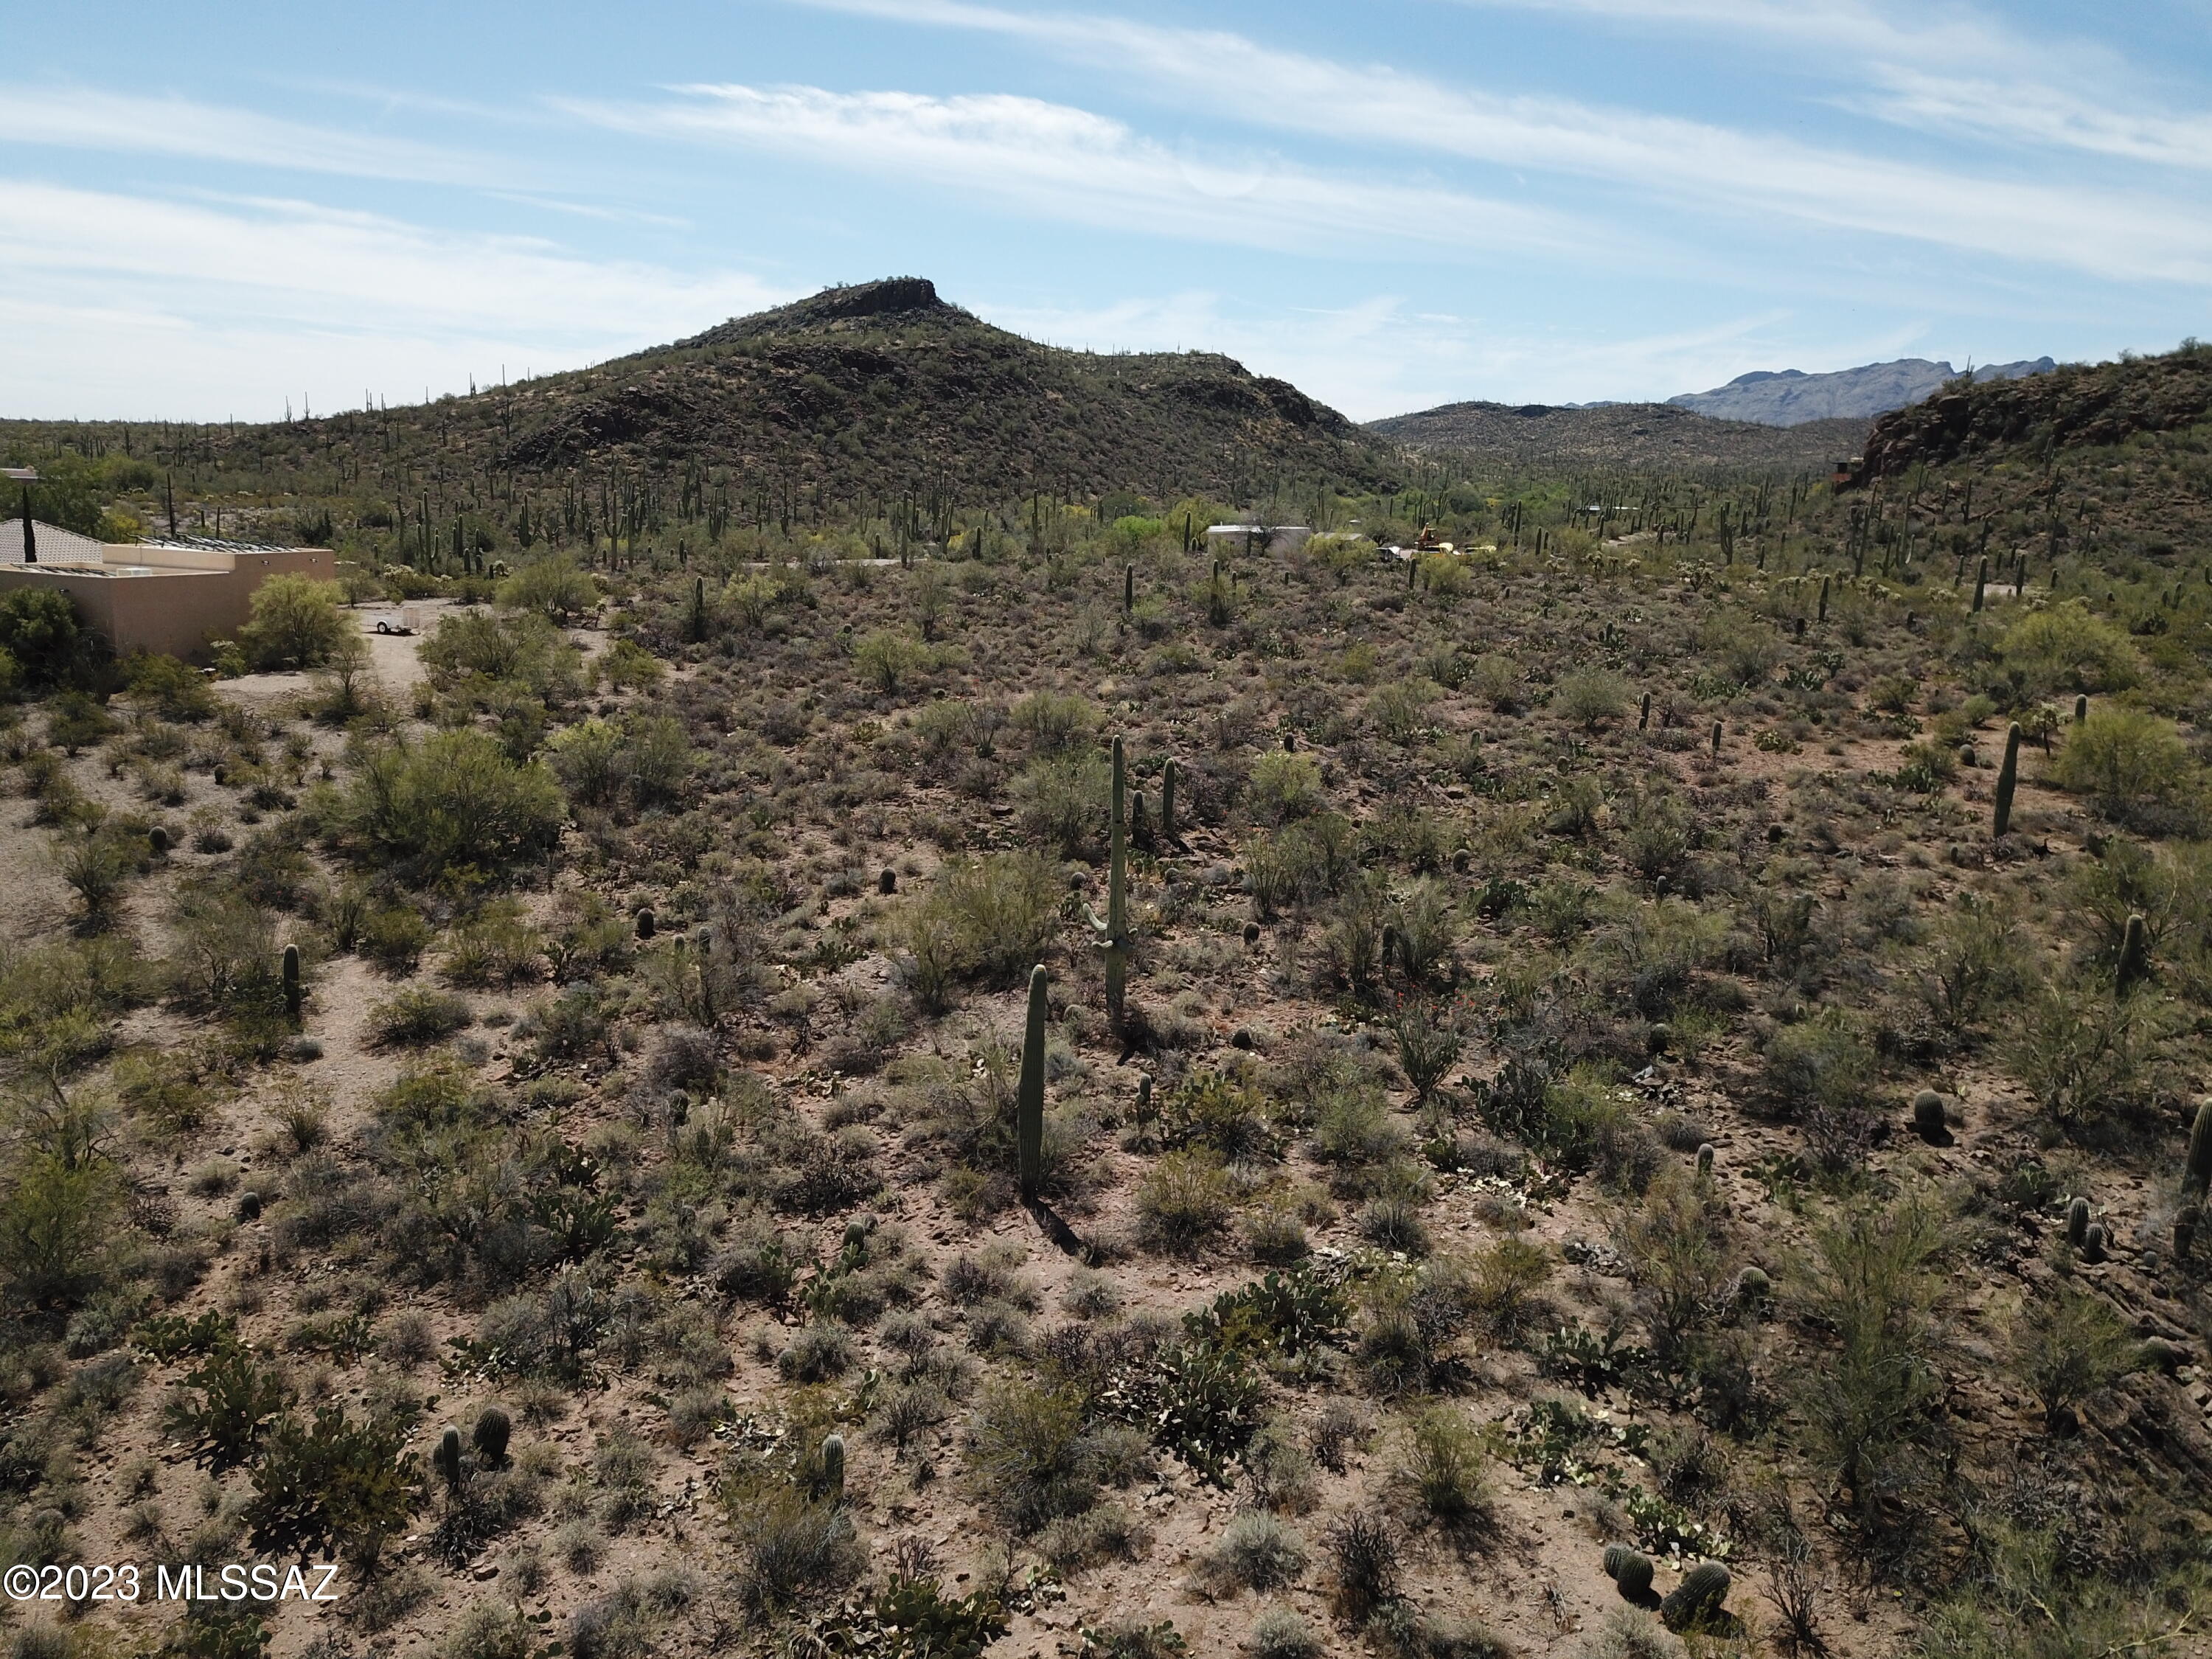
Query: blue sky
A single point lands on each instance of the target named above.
(211, 210)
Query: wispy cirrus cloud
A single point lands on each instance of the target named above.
(1995, 81)
(2107, 232)
(130, 281)
(1073, 164)
(81, 117)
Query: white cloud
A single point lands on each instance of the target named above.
(79, 117)
(1053, 159)
(147, 306)
(1742, 175)
(2077, 94)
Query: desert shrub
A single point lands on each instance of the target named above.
(1183, 1202)
(42, 636)
(2066, 647)
(331, 1483)
(1108, 1533)
(817, 1353)
(451, 808)
(1442, 1466)
(987, 919)
(2066, 1344)
(1590, 697)
(2134, 766)
(791, 1545)
(295, 622)
(475, 653)
(553, 588)
(1259, 1551)
(169, 688)
(1063, 799)
(1823, 1071)
(489, 1631)
(1030, 1457)
(2085, 1055)
(496, 947)
(56, 1221)
(1743, 648)
(224, 953)
(1282, 1632)
(1054, 720)
(1282, 787)
(1677, 1252)
(1872, 1284)
(418, 1016)
(1981, 960)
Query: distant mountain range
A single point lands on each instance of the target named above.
(1618, 434)
(1790, 397)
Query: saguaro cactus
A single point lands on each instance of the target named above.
(1113, 933)
(1129, 588)
(698, 609)
(1167, 802)
(1716, 736)
(2196, 1173)
(293, 992)
(1981, 582)
(2135, 957)
(1644, 715)
(1029, 1095)
(2008, 779)
(833, 1466)
(1824, 599)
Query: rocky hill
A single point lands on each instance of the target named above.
(1624, 434)
(2076, 406)
(884, 388)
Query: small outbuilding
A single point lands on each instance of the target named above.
(172, 596)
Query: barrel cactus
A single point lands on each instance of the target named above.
(887, 882)
(2077, 1222)
(2094, 1241)
(158, 839)
(1630, 1568)
(1752, 1288)
(447, 1457)
(1705, 1162)
(490, 1436)
(1696, 1602)
(1928, 1117)
(249, 1205)
(647, 925)
(833, 1466)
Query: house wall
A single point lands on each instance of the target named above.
(184, 598)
